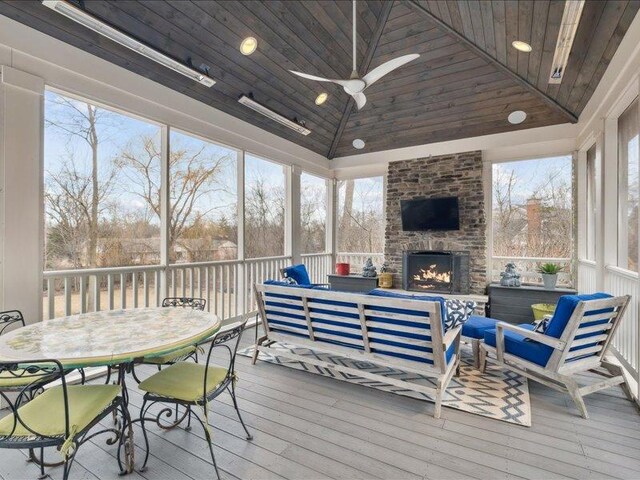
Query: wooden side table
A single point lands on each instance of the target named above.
(352, 283)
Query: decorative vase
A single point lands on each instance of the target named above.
(385, 280)
(342, 268)
(550, 280)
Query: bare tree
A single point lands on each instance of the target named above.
(80, 121)
(195, 175)
(361, 218)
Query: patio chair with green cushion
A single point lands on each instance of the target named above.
(183, 353)
(193, 386)
(574, 342)
(62, 416)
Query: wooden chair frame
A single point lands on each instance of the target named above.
(560, 371)
(441, 370)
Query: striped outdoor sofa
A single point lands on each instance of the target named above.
(401, 333)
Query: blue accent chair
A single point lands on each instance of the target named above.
(575, 341)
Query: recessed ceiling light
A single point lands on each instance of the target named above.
(248, 46)
(522, 46)
(358, 143)
(516, 117)
(320, 99)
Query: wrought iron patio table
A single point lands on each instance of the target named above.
(115, 338)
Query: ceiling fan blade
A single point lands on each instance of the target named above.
(320, 79)
(360, 99)
(387, 67)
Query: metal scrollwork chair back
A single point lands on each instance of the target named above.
(185, 302)
(9, 318)
(195, 385)
(62, 416)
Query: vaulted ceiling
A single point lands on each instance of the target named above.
(467, 80)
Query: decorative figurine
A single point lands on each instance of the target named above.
(510, 278)
(369, 270)
(385, 279)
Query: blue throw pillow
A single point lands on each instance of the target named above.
(458, 312)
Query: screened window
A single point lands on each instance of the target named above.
(532, 208)
(313, 213)
(265, 204)
(94, 213)
(360, 221)
(203, 179)
(628, 157)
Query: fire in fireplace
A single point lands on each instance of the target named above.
(435, 271)
(429, 278)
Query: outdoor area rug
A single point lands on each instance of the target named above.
(501, 395)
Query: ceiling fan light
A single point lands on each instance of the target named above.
(248, 46)
(521, 46)
(320, 99)
(358, 144)
(516, 117)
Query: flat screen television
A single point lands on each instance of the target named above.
(430, 214)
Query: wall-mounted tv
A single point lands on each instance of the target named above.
(430, 214)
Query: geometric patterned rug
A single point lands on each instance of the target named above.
(498, 394)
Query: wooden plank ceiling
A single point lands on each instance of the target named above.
(467, 80)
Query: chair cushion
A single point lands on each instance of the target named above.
(171, 356)
(425, 298)
(564, 310)
(519, 346)
(45, 413)
(476, 325)
(183, 381)
(13, 379)
(298, 273)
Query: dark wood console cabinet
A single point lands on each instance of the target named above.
(513, 304)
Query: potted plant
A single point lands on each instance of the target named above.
(549, 273)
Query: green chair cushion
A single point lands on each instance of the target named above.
(45, 413)
(183, 381)
(170, 357)
(9, 380)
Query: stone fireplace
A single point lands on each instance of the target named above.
(436, 271)
(457, 175)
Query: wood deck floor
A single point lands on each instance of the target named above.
(311, 427)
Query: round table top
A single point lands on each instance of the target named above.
(109, 337)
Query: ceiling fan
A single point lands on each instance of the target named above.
(355, 85)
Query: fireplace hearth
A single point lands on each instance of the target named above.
(436, 271)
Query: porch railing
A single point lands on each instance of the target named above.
(626, 343)
(318, 265)
(527, 267)
(357, 260)
(586, 276)
(226, 285)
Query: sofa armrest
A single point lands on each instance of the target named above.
(451, 336)
(536, 336)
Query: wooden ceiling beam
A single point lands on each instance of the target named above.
(488, 58)
(368, 57)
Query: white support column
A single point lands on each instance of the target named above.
(332, 222)
(607, 158)
(242, 272)
(165, 215)
(21, 187)
(293, 227)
